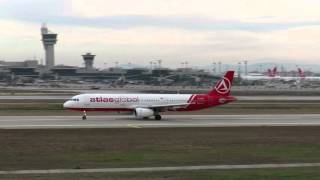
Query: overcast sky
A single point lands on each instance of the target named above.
(137, 31)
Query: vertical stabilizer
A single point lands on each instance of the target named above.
(223, 86)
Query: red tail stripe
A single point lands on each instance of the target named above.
(191, 98)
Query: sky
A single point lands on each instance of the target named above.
(139, 31)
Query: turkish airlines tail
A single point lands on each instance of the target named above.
(273, 72)
(223, 86)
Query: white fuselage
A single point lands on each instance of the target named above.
(256, 78)
(311, 78)
(125, 101)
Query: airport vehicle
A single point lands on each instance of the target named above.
(151, 105)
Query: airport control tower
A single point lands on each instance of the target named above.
(88, 61)
(49, 39)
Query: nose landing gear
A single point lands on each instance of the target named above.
(84, 116)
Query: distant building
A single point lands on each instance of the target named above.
(27, 63)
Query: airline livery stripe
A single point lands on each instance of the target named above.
(191, 98)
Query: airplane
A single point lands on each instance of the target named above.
(271, 74)
(303, 77)
(151, 105)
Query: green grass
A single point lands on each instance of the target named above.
(195, 156)
(93, 148)
(103, 148)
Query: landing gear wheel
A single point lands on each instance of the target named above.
(157, 117)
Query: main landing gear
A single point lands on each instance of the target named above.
(157, 117)
(84, 116)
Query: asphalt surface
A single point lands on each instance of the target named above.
(35, 122)
(153, 169)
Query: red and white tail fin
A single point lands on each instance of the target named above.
(274, 71)
(223, 86)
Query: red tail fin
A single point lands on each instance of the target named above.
(223, 86)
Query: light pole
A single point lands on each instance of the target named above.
(214, 67)
(159, 62)
(116, 63)
(246, 67)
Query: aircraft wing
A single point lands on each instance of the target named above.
(171, 105)
(180, 105)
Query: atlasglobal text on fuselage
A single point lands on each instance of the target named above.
(151, 105)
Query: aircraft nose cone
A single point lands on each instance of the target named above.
(67, 104)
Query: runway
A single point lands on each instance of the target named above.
(38, 122)
(159, 169)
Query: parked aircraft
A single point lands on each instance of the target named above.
(303, 77)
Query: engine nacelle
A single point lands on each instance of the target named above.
(143, 112)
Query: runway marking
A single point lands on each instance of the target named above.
(134, 126)
(153, 169)
(108, 126)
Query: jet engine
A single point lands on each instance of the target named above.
(143, 112)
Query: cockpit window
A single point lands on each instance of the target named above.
(74, 99)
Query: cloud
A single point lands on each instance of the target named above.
(190, 15)
(192, 23)
(140, 45)
(199, 31)
(33, 10)
(227, 9)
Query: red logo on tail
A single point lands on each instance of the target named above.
(223, 86)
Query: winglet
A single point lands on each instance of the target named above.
(223, 86)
